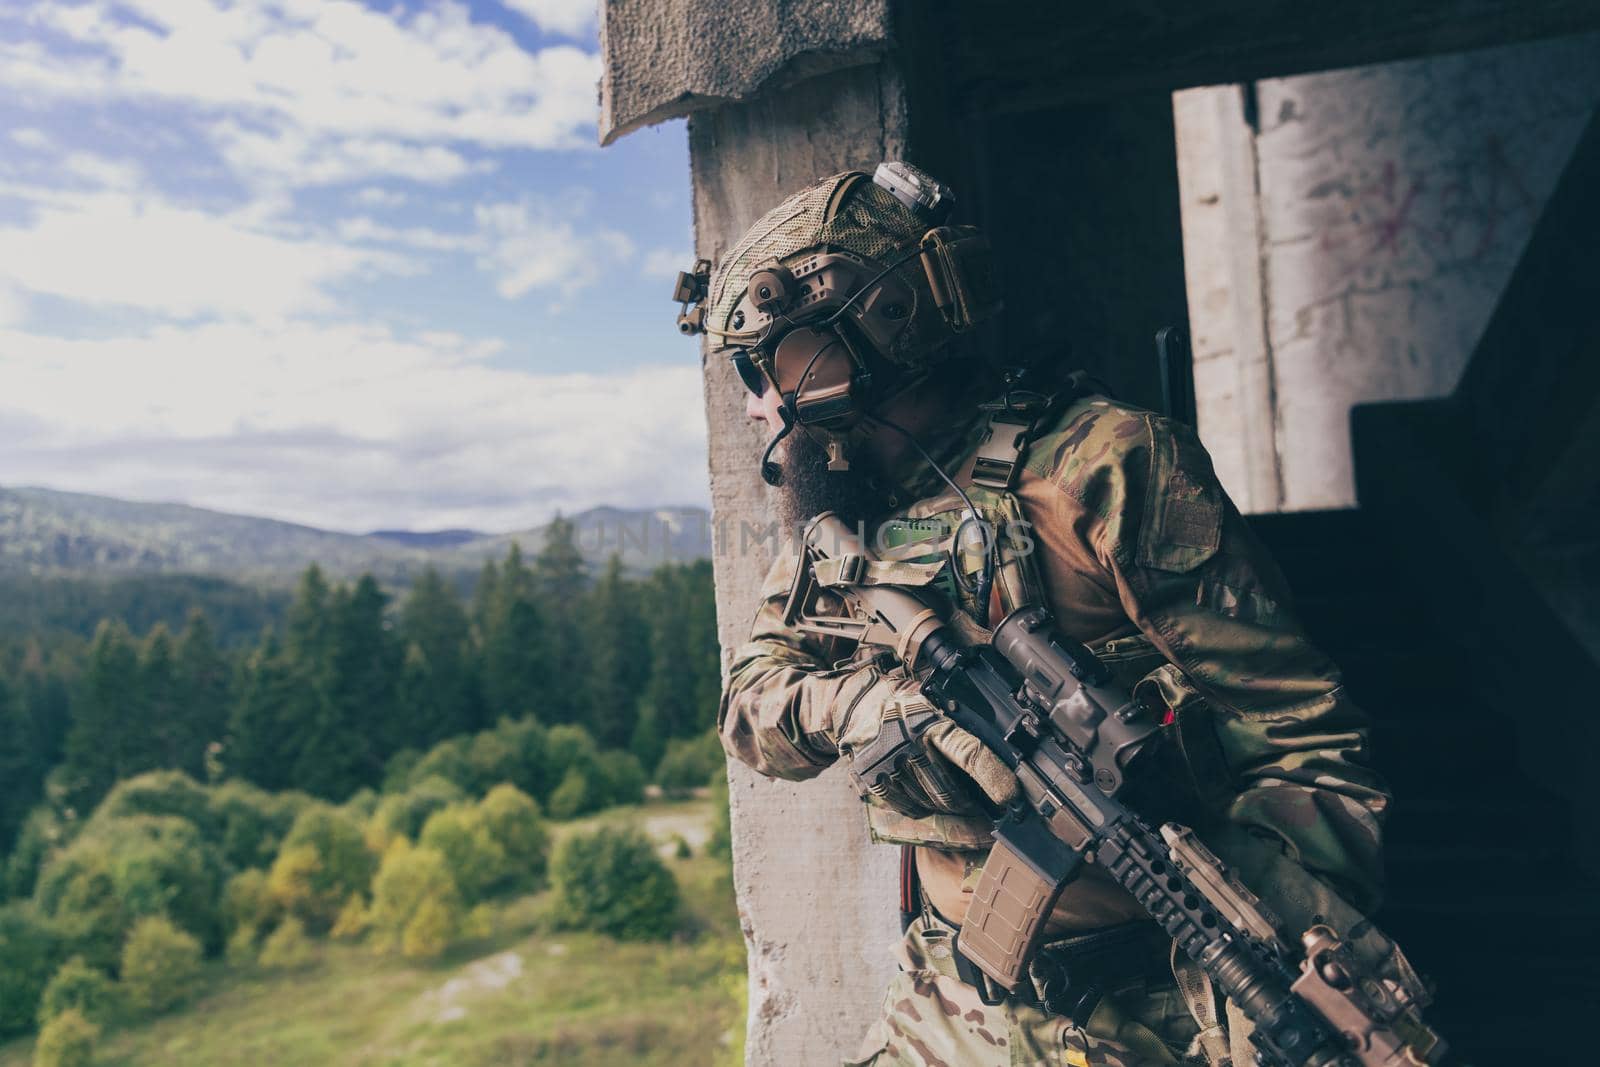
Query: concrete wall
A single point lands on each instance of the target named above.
(1346, 237)
(817, 900)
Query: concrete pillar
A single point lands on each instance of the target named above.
(817, 900)
(1347, 235)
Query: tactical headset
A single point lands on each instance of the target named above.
(820, 325)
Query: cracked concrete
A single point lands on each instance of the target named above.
(1392, 204)
(669, 58)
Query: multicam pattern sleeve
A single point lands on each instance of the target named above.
(1138, 494)
(782, 699)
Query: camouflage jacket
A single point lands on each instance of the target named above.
(1140, 555)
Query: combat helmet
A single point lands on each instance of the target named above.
(843, 295)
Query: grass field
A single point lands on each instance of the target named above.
(524, 995)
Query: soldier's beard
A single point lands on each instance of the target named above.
(810, 488)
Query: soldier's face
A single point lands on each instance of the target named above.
(764, 408)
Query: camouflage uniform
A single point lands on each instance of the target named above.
(1140, 555)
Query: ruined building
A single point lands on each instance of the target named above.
(1378, 223)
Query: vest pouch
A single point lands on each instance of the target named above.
(949, 832)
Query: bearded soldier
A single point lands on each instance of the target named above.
(847, 311)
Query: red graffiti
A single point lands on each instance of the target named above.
(1453, 220)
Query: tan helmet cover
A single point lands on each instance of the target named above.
(948, 287)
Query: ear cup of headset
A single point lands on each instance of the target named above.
(816, 369)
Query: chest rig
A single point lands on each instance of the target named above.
(917, 546)
(932, 544)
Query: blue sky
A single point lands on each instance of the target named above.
(356, 265)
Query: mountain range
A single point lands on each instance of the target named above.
(46, 532)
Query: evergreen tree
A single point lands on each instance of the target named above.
(20, 771)
(353, 732)
(485, 596)
(204, 692)
(515, 665)
(438, 690)
(560, 575)
(306, 639)
(705, 649)
(158, 689)
(311, 740)
(670, 691)
(560, 572)
(617, 646)
(109, 736)
(43, 688)
(260, 748)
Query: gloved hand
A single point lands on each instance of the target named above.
(942, 765)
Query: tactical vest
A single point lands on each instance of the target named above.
(922, 532)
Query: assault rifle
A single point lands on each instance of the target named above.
(1076, 740)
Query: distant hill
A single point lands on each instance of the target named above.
(44, 532)
(428, 538)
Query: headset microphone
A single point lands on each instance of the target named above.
(771, 473)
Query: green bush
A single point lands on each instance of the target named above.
(162, 793)
(409, 878)
(402, 814)
(612, 882)
(361, 805)
(288, 947)
(240, 951)
(493, 758)
(81, 988)
(160, 965)
(121, 869)
(477, 862)
(568, 748)
(68, 1040)
(514, 751)
(622, 778)
(353, 921)
(30, 952)
(689, 763)
(430, 931)
(514, 822)
(254, 821)
(323, 860)
(44, 833)
(529, 771)
(397, 771)
(447, 760)
(247, 903)
(573, 797)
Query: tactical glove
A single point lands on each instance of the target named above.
(907, 756)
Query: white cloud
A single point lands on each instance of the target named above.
(363, 230)
(31, 137)
(102, 173)
(351, 91)
(532, 246)
(665, 263)
(13, 306)
(112, 249)
(344, 425)
(377, 196)
(290, 156)
(574, 18)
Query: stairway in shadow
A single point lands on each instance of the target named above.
(1486, 888)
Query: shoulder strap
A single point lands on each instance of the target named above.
(1016, 419)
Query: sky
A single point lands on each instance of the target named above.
(360, 266)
